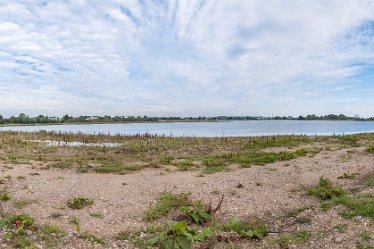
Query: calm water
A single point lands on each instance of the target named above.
(212, 129)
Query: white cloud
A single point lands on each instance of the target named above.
(189, 57)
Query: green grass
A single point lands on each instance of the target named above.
(116, 168)
(93, 238)
(326, 190)
(245, 228)
(166, 203)
(4, 196)
(286, 240)
(369, 180)
(370, 149)
(213, 165)
(79, 202)
(330, 195)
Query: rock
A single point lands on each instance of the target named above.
(338, 240)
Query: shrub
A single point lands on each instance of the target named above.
(79, 202)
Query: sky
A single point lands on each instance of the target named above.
(187, 57)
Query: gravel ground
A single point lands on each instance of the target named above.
(268, 192)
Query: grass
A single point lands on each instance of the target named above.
(166, 203)
(325, 190)
(370, 149)
(213, 165)
(369, 180)
(286, 240)
(4, 196)
(116, 168)
(186, 153)
(79, 202)
(93, 238)
(245, 228)
(330, 195)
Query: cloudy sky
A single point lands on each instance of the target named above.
(186, 57)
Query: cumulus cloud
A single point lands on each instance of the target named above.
(186, 57)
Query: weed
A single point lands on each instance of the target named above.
(97, 215)
(341, 228)
(347, 175)
(325, 190)
(116, 168)
(370, 149)
(21, 178)
(213, 165)
(51, 229)
(4, 196)
(198, 213)
(165, 204)
(179, 236)
(93, 238)
(19, 204)
(248, 229)
(79, 202)
(330, 195)
(303, 220)
(284, 241)
(75, 221)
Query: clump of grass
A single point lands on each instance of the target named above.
(185, 165)
(347, 175)
(21, 178)
(369, 180)
(76, 222)
(51, 229)
(79, 202)
(295, 212)
(286, 240)
(213, 165)
(326, 190)
(359, 205)
(370, 149)
(93, 238)
(22, 203)
(165, 204)
(4, 196)
(245, 228)
(97, 215)
(116, 168)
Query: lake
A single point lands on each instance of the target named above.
(213, 129)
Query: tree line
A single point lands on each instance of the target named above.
(41, 119)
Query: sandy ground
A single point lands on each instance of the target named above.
(268, 192)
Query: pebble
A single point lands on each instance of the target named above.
(338, 240)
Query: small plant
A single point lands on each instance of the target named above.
(165, 204)
(284, 241)
(179, 236)
(21, 178)
(4, 196)
(79, 202)
(247, 229)
(370, 149)
(350, 176)
(198, 213)
(326, 191)
(93, 238)
(369, 180)
(75, 221)
(51, 229)
(97, 215)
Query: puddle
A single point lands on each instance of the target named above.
(75, 144)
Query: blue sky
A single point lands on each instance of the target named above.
(187, 57)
